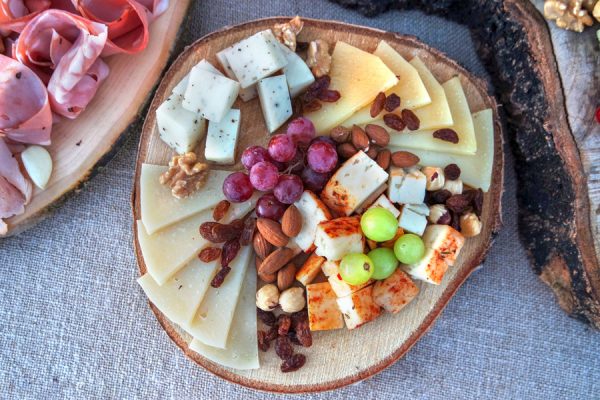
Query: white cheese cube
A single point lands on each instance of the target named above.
(246, 94)
(182, 85)
(357, 179)
(383, 202)
(412, 222)
(330, 268)
(323, 311)
(222, 137)
(394, 292)
(407, 187)
(422, 208)
(209, 94)
(275, 101)
(313, 212)
(446, 240)
(431, 268)
(296, 71)
(359, 308)
(310, 269)
(338, 237)
(341, 288)
(255, 58)
(179, 128)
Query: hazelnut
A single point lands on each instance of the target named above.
(292, 300)
(435, 178)
(267, 297)
(470, 225)
(454, 186)
(439, 214)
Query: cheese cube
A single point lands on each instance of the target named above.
(310, 269)
(383, 202)
(446, 240)
(357, 179)
(179, 128)
(422, 208)
(296, 72)
(412, 222)
(407, 187)
(255, 58)
(338, 237)
(341, 288)
(246, 94)
(431, 268)
(222, 137)
(275, 101)
(182, 85)
(313, 212)
(359, 308)
(371, 199)
(323, 311)
(209, 94)
(330, 268)
(394, 292)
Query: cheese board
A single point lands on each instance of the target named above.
(330, 227)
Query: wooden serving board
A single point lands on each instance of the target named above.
(79, 147)
(337, 358)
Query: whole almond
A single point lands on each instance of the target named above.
(275, 261)
(340, 134)
(372, 152)
(346, 150)
(359, 138)
(286, 276)
(262, 248)
(271, 231)
(291, 222)
(404, 159)
(378, 135)
(267, 278)
(384, 158)
(377, 105)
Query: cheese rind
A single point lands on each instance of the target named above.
(179, 128)
(313, 212)
(323, 311)
(338, 237)
(246, 94)
(359, 308)
(395, 292)
(209, 94)
(275, 101)
(298, 75)
(222, 137)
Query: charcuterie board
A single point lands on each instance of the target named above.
(336, 358)
(81, 146)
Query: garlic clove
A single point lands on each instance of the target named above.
(38, 164)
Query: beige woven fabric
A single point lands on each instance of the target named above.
(74, 324)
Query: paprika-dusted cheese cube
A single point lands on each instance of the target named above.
(431, 268)
(310, 269)
(446, 240)
(275, 101)
(359, 307)
(338, 237)
(395, 292)
(323, 311)
(330, 268)
(209, 94)
(313, 212)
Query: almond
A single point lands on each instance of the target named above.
(262, 248)
(378, 104)
(340, 134)
(286, 276)
(275, 261)
(372, 152)
(384, 158)
(291, 222)
(404, 159)
(359, 138)
(266, 278)
(271, 231)
(378, 134)
(346, 150)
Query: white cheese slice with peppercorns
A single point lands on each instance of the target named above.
(179, 128)
(182, 85)
(210, 95)
(383, 202)
(246, 94)
(255, 58)
(407, 186)
(359, 308)
(221, 139)
(313, 212)
(298, 75)
(275, 101)
(338, 237)
(242, 343)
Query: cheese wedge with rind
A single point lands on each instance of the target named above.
(242, 343)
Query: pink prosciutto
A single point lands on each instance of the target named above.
(64, 50)
(25, 114)
(15, 190)
(15, 14)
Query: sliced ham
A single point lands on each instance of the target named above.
(15, 14)
(25, 114)
(155, 7)
(64, 49)
(15, 189)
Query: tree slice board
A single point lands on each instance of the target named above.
(81, 146)
(330, 364)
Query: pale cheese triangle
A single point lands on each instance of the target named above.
(410, 88)
(242, 343)
(358, 76)
(463, 126)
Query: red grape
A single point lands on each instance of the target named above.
(314, 181)
(301, 130)
(288, 189)
(253, 155)
(326, 139)
(296, 164)
(264, 175)
(282, 148)
(268, 206)
(237, 187)
(322, 157)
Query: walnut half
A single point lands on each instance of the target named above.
(569, 14)
(318, 57)
(185, 175)
(286, 33)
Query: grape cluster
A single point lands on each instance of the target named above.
(291, 162)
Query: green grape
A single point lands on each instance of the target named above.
(409, 248)
(379, 224)
(385, 262)
(356, 268)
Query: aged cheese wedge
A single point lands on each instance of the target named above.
(180, 296)
(160, 209)
(463, 126)
(242, 343)
(476, 170)
(358, 82)
(410, 87)
(214, 316)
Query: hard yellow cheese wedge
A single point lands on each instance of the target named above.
(463, 126)
(410, 88)
(358, 76)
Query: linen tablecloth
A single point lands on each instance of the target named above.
(75, 324)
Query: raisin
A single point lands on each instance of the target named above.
(267, 317)
(230, 251)
(455, 222)
(392, 102)
(446, 134)
(221, 209)
(293, 363)
(458, 203)
(218, 233)
(394, 121)
(294, 338)
(209, 254)
(284, 322)
(283, 347)
(220, 277)
(452, 172)
(329, 96)
(206, 231)
(302, 328)
(272, 334)
(248, 231)
(311, 106)
(313, 91)
(238, 225)
(440, 196)
(476, 196)
(378, 104)
(411, 120)
(263, 343)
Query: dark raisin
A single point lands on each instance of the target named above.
(267, 317)
(458, 203)
(301, 327)
(311, 106)
(231, 249)
(221, 209)
(452, 172)
(440, 196)
(477, 202)
(218, 233)
(394, 121)
(209, 254)
(392, 102)
(206, 231)
(248, 231)
(284, 322)
(329, 96)
(293, 363)
(447, 135)
(411, 120)
(220, 277)
(283, 347)
(455, 222)
(272, 334)
(294, 338)
(263, 343)
(316, 88)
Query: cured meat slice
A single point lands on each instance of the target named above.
(15, 189)
(25, 114)
(64, 49)
(155, 7)
(15, 14)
